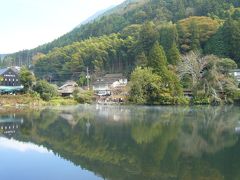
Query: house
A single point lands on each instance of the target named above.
(103, 86)
(9, 76)
(68, 88)
(10, 80)
(236, 74)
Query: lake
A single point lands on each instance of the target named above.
(121, 142)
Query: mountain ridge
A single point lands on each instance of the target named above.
(132, 14)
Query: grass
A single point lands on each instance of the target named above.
(28, 100)
(59, 101)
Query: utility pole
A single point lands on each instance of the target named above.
(88, 77)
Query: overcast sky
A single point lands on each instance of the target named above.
(25, 24)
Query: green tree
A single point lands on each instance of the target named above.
(46, 90)
(157, 59)
(174, 55)
(235, 40)
(141, 60)
(148, 36)
(82, 80)
(146, 87)
(168, 35)
(27, 79)
(217, 45)
(195, 37)
(158, 62)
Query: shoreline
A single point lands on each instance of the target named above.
(30, 101)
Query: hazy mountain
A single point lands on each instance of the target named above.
(2, 56)
(96, 15)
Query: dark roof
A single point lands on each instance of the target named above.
(3, 70)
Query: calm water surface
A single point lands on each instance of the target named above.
(120, 142)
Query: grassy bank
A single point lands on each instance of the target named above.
(32, 101)
(20, 100)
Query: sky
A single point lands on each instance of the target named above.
(26, 24)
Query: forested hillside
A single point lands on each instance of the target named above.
(159, 36)
(137, 12)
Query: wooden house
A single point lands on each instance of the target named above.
(10, 80)
(68, 88)
(9, 76)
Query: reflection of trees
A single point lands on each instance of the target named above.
(212, 130)
(146, 143)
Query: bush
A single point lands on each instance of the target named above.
(46, 90)
(147, 87)
(84, 96)
(59, 101)
(200, 100)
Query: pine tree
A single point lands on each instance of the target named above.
(148, 36)
(141, 60)
(157, 59)
(173, 55)
(235, 40)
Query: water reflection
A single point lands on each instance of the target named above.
(11, 144)
(9, 124)
(120, 142)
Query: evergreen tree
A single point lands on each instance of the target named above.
(148, 36)
(158, 62)
(216, 44)
(168, 36)
(141, 60)
(157, 59)
(27, 79)
(174, 55)
(235, 40)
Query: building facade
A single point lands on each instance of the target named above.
(105, 85)
(9, 77)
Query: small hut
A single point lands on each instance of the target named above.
(68, 88)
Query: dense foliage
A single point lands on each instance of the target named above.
(45, 90)
(27, 79)
(103, 54)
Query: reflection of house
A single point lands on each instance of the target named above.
(69, 118)
(9, 125)
(104, 85)
(236, 74)
(68, 88)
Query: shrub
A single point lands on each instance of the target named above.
(84, 96)
(46, 90)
